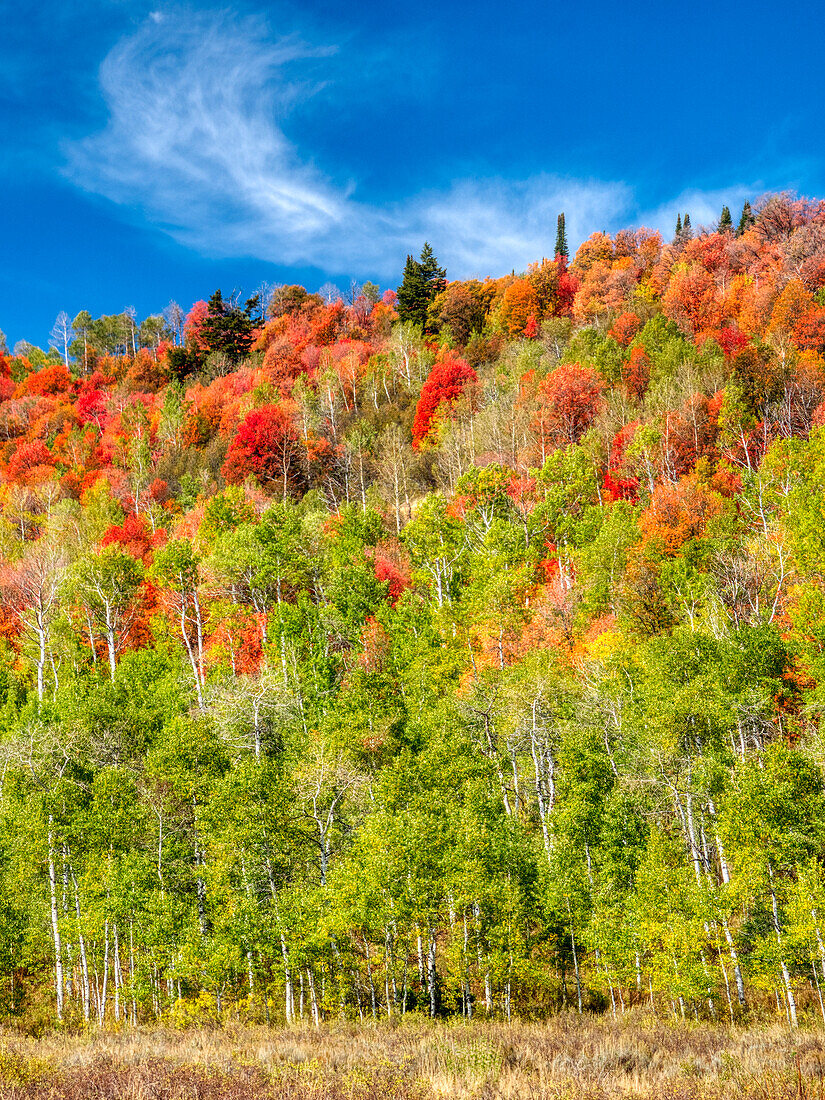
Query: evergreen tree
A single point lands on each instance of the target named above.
(746, 221)
(411, 292)
(561, 238)
(678, 224)
(423, 280)
(725, 221)
(228, 328)
(686, 223)
(434, 276)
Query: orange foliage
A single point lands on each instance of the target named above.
(519, 304)
(692, 301)
(625, 328)
(678, 512)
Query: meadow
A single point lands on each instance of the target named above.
(570, 1057)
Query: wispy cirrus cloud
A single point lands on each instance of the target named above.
(198, 106)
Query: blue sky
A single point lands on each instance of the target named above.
(151, 151)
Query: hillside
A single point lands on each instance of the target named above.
(454, 649)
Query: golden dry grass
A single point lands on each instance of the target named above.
(568, 1058)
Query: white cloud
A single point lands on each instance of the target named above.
(195, 140)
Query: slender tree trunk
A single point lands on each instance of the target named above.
(432, 976)
(786, 978)
(104, 989)
(84, 962)
(58, 946)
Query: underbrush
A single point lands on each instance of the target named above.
(567, 1058)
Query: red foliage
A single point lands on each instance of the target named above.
(691, 433)
(266, 446)
(617, 484)
(91, 408)
(625, 328)
(238, 641)
(135, 537)
(445, 384)
(569, 399)
(192, 326)
(636, 373)
(397, 577)
(327, 323)
(567, 288)
(809, 331)
(30, 463)
(692, 300)
(50, 381)
(731, 340)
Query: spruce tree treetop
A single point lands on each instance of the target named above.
(678, 224)
(747, 219)
(561, 238)
(434, 275)
(423, 280)
(725, 221)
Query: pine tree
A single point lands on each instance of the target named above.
(725, 221)
(678, 224)
(561, 238)
(747, 219)
(686, 223)
(435, 277)
(423, 280)
(411, 291)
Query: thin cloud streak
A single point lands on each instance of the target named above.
(195, 140)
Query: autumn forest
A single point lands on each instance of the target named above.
(454, 650)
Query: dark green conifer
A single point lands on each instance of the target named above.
(423, 279)
(747, 219)
(561, 238)
(678, 224)
(434, 275)
(725, 221)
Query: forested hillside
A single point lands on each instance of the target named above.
(456, 649)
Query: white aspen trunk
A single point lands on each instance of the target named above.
(41, 661)
(373, 997)
(468, 1000)
(575, 958)
(84, 962)
(191, 653)
(102, 1008)
(199, 635)
(313, 998)
(488, 991)
(110, 642)
(289, 993)
(737, 970)
(786, 978)
(432, 975)
(58, 947)
(132, 971)
(117, 974)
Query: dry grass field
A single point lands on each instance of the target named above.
(568, 1058)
